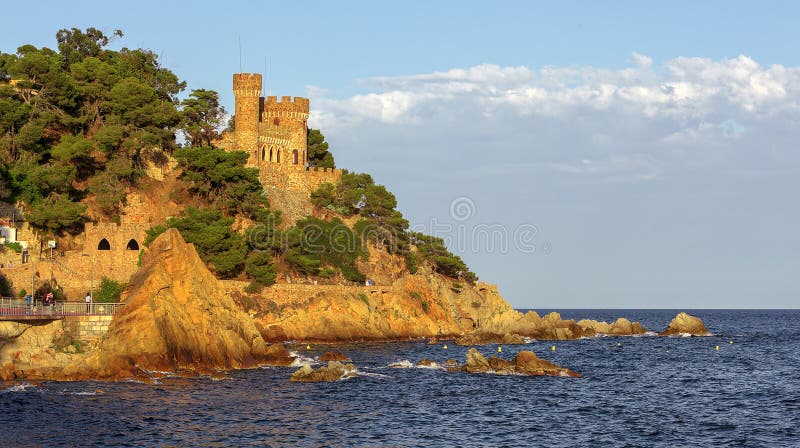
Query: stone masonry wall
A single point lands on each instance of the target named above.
(87, 327)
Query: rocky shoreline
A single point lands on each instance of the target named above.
(179, 318)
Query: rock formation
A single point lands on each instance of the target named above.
(684, 324)
(178, 317)
(621, 327)
(524, 363)
(334, 356)
(334, 371)
(480, 338)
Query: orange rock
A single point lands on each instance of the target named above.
(686, 324)
(334, 356)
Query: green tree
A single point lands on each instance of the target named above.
(314, 243)
(259, 267)
(109, 292)
(218, 245)
(222, 178)
(75, 45)
(201, 117)
(56, 214)
(317, 150)
(434, 251)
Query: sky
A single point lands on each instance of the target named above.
(578, 154)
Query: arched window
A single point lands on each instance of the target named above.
(295, 157)
(263, 153)
(276, 121)
(270, 155)
(132, 245)
(104, 245)
(278, 157)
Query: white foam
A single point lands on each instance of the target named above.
(299, 360)
(406, 364)
(22, 387)
(403, 364)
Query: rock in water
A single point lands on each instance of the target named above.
(476, 362)
(490, 338)
(334, 356)
(528, 363)
(525, 363)
(621, 327)
(686, 324)
(334, 371)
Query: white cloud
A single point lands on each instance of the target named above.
(628, 123)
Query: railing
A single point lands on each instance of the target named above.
(21, 308)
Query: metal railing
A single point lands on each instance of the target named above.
(20, 307)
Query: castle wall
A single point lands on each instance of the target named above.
(297, 178)
(77, 271)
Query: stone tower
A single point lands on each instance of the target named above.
(247, 92)
(288, 119)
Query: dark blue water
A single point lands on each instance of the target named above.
(652, 391)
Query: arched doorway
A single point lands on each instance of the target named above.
(132, 245)
(295, 157)
(104, 245)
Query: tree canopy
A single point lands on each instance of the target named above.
(318, 154)
(79, 120)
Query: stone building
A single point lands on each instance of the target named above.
(273, 133)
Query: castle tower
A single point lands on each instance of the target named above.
(288, 117)
(247, 92)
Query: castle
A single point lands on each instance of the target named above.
(274, 134)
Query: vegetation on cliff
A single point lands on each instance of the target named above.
(81, 120)
(381, 223)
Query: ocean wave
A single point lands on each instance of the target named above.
(406, 364)
(299, 360)
(22, 387)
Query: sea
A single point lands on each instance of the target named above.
(737, 388)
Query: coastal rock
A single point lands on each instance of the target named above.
(530, 324)
(334, 371)
(489, 338)
(476, 362)
(334, 356)
(427, 363)
(524, 363)
(685, 323)
(178, 316)
(621, 327)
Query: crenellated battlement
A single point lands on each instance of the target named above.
(287, 103)
(247, 84)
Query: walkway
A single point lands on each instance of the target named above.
(18, 310)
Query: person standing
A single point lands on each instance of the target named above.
(28, 304)
(50, 301)
(88, 303)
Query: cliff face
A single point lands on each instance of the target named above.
(423, 305)
(178, 315)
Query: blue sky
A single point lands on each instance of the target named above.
(652, 146)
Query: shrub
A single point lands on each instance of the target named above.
(253, 287)
(109, 291)
(15, 246)
(259, 267)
